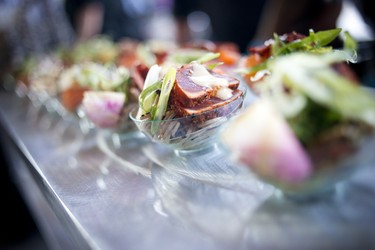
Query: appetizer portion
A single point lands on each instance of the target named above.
(99, 49)
(103, 92)
(36, 77)
(310, 126)
(42, 79)
(255, 66)
(186, 106)
(78, 78)
(227, 55)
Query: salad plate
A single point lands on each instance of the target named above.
(311, 128)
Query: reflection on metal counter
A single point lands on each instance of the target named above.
(101, 203)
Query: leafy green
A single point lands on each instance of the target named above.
(350, 44)
(348, 98)
(186, 56)
(145, 54)
(256, 68)
(310, 43)
(207, 57)
(313, 120)
(315, 43)
(327, 96)
(98, 49)
(214, 65)
(27, 66)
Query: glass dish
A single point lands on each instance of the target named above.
(189, 133)
(265, 143)
(322, 182)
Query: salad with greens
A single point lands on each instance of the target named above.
(184, 104)
(256, 64)
(158, 85)
(310, 123)
(104, 92)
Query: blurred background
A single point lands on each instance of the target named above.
(29, 27)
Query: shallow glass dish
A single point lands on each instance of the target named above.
(189, 133)
(324, 181)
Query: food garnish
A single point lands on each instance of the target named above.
(256, 63)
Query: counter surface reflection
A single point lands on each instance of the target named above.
(120, 191)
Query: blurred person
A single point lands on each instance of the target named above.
(217, 20)
(33, 27)
(85, 16)
(115, 18)
(285, 16)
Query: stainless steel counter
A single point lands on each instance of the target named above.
(96, 190)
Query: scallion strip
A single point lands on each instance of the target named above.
(166, 88)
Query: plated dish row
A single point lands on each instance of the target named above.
(301, 132)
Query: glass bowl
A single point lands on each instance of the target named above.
(262, 141)
(325, 175)
(324, 181)
(189, 133)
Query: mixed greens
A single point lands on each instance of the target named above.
(315, 42)
(311, 116)
(95, 77)
(317, 96)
